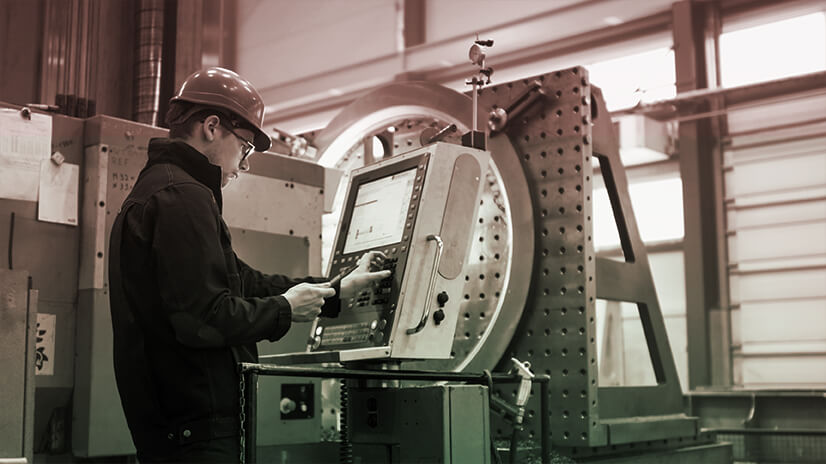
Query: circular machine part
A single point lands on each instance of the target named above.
(400, 117)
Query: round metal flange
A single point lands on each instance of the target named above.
(498, 269)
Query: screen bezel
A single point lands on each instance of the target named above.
(419, 162)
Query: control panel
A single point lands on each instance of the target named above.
(418, 209)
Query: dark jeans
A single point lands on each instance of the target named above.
(217, 451)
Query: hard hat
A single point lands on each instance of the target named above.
(222, 88)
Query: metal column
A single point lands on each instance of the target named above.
(701, 174)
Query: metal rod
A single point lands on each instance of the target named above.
(252, 420)
(449, 129)
(475, 125)
(545, 421)
(770, 431)
(334, 373)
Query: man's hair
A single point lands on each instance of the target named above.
(182, 116)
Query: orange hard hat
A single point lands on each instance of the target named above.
(222, 88)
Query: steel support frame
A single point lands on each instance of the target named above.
(554, 140)
(707, 312)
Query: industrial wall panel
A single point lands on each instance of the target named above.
(792, 172)
(14, 359)
(276, 206)
(795, 110)
(782, 371)
(784, 285)
(754, 244)
(50, 254)
(769, 321)
(775, 185)
(741, 218)
(308, 31)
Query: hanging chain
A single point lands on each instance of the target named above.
(243, 416)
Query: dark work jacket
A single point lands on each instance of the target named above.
(185, 309)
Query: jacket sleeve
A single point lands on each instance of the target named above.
(258, 284)
(193, 279)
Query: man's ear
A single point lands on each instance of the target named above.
(209, 126)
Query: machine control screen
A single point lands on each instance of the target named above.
(380, 211)
(379, 214)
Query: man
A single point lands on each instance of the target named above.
(185, 309)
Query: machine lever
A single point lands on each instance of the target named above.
(440, 246)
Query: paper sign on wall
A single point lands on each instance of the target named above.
(24, 143)
(44, 344)
(58, 193)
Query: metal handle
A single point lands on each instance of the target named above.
(440, 246)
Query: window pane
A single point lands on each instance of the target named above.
(658, 208)
(774, 50)
(641, 77)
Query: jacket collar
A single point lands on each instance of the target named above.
(190, 160)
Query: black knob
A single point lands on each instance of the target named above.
(442, 298)
(439, 316)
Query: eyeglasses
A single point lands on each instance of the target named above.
(248, 146)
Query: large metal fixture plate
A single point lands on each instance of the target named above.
(557, 332)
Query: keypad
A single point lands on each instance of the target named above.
(358, 332)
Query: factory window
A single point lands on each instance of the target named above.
(638, 78)
(773, 51)
(658, 209)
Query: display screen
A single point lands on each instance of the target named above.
(379, 212)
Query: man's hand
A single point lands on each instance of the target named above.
(307, 299)
(364, 274)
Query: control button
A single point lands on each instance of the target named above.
(187, 433)
(442, 298)
(382, 324)
(439, 316)
(374, 324)
(393, 251)
(404, 248)
(318, 330)
(170, 436)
